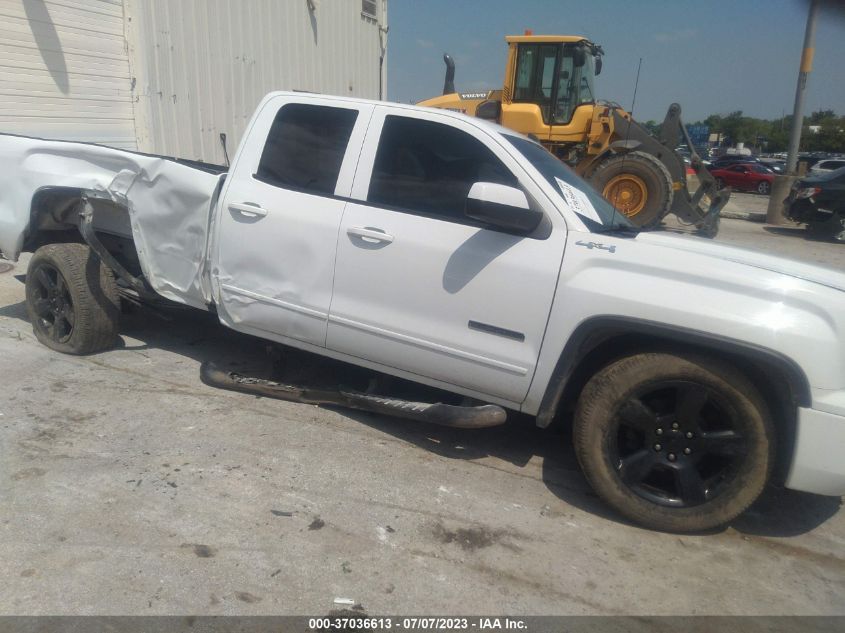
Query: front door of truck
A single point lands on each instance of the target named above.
(422, 288)
(280, 214)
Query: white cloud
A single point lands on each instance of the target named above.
(425, 43)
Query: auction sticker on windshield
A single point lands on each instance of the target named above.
(578, 201)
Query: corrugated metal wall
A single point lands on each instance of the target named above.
(202, 66)
(64, 71)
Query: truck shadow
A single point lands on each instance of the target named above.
(777, 513)
(514, 447)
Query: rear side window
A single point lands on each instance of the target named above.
(428, 168)
(305, 147)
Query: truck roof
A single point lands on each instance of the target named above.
(481, 123)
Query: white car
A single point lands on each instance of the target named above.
(455, 253)
(828, 164)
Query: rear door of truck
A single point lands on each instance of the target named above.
(280, 215)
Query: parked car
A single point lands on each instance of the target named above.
(818, 201)
(732, 159)
(745, 176)
(777, 166)
(452, 252)
(828, 164)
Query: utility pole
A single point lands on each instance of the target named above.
(803, 75)
(782, 184)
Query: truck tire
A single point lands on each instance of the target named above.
(72, 299)
(674, 444)
(637, 184)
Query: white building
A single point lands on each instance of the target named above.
(170, 76)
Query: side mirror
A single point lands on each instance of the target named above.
(490, 110)
(579, 56)
(502, 207)
(597, 59)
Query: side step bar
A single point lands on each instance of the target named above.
(443, 414)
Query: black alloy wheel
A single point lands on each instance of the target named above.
(52, 304)
(677, 444)
(72, 299)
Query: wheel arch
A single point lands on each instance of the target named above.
(599, 341)
(50, 217)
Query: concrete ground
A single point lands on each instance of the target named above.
(128, 487)
(790, 240)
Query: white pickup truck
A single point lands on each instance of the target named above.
(451, 252)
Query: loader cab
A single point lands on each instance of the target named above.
(548, 78)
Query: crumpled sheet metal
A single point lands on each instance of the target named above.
(169, 204)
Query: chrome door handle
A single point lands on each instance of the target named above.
(252, 210)
(369, 234)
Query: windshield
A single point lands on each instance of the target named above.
(596, 212)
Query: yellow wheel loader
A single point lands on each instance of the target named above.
(549, 94)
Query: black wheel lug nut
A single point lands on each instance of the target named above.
(689, 435)
(657, 447)
(675, 425)
(687, 451)
(659, 432)
(672, 457)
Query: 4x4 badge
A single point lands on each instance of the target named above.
(601, 247)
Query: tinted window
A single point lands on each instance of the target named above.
(429, 168)
(305, 147)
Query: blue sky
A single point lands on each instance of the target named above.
(711, 56)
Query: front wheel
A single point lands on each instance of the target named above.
(637, 184)
(71, 299)
(675, 444)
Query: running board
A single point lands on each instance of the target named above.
(443, 414)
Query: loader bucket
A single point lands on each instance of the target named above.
(703, 207)
(690, 209)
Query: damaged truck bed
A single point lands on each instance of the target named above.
(158, 209)
(448, 252)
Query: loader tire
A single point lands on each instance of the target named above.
(72, 299)
(637, 184)
(674, 443)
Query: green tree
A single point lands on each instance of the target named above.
(653, 127)
(772, 135)
(821, 115)
(830, 136)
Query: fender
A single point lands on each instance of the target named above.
(592, 333)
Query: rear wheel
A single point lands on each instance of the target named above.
(674, 444)
(764, 187)
(637, 184)
(71, 299)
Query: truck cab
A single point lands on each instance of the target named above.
(549, 86)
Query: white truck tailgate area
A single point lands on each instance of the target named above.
(169, 204)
